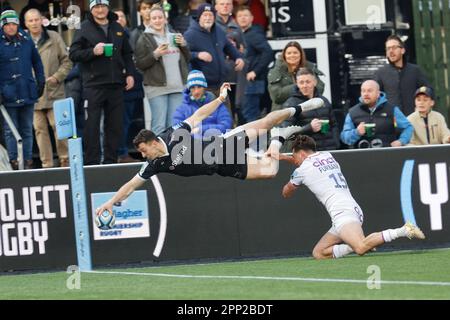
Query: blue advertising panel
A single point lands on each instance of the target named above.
(132, 217)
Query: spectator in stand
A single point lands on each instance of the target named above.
(106, 61)
(321, 123)
(258, 10)
(385, 118)
(182, 22)
(19, 87)
(132, 100)
(429, 126)
(163, 57)
(41, 5)
(196, 96)
(258, 56)
(57, 66)
(225, 21)
(209, 47)
(400, 79)
(282, 77)
(143, 7)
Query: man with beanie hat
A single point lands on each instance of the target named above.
(209, 47)
(105, 56)
(19, 88)
(194, 97)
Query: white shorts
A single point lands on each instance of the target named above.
(346, 217)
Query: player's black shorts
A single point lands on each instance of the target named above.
(234, 158)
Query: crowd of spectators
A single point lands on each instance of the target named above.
(178, 65)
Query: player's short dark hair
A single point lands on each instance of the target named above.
(144, 136)
(305, 143)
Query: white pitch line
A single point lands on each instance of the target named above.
(418, 283)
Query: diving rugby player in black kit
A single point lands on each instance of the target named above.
(176, 152)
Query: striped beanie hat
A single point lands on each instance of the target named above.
(196, 78)
(93, 3)
(9, 16)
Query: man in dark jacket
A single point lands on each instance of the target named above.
(209, 46)
(19, 89)
(400, 79)
(105, 71)
(319, 124)
(258, 56)
(373, 123)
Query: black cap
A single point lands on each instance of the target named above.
(426, 91)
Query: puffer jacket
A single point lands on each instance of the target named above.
(55, 59)
(218, 122)
(18, 59)
(324, 141)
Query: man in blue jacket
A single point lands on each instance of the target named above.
(19, 89)
(374, 122)
(209, 46)
(258, 56)
(196, 96)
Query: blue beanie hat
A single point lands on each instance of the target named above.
(196, 78)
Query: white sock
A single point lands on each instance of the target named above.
(276, 143)
(341, 250)
(292, 111)
(392, 234)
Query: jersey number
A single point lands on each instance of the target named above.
(339, 180)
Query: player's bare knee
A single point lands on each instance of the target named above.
(360, 249)
(317, 254)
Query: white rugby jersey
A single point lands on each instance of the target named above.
(321, 173)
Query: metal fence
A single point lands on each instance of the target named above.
(432, 32)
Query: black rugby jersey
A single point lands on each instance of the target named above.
(185, 155)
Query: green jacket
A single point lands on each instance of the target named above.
(281, 83)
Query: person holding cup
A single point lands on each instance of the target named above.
(105, 72)
(374, 122)
(163, 58)
(321, 123)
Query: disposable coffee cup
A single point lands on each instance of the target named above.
(370, 129)
(108, 49)
(325, 128)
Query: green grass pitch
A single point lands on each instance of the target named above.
(404, 275)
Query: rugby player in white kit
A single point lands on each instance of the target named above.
(321, 173)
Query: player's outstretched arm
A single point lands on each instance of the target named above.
(206, 110)
(289, 190)
(290, 159)
(123, 193)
